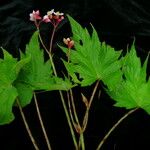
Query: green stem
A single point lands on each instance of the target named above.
(69, 121)
(74, 108)
(42, 124)
(71, 115)
(61, 95)
(93, 93)
(52, 38)
(43, 43)
(81, 141)
(114, 127)
(86, 116)
(75, 124)
(27, 126)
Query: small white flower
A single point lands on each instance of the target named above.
(58, 13)
(50, 12)
(32, 17)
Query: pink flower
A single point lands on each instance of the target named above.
(60, 19)
(35, 15)
(46, 19)
(68, 42)
(54, 17)
(58, 16)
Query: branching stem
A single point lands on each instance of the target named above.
(60, 92)
(85, 120)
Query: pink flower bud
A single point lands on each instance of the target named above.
(68, 42)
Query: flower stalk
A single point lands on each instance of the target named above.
(55, 19)
(114, 127)
(27, 126)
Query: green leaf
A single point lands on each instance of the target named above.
(132, 68)
(8, 93)
(8, 96)
(36, 74)
(20, 64)
(91, 59)
(7, 69)
(70, 69)
(76, 29)
(25, 93)
(133, 91)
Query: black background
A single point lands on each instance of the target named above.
(117, 22)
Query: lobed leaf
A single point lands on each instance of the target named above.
(91, 60)
(21, 78)
(37, 74)
(9, 70)
(133, 90)
(8, 96)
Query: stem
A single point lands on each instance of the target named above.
(114, 127)
(81, 141)
(86, 116)
(74, 108)
(75, 124)
(27, 126)
(41, 123)
(43, 43)
(71, 115)
(68, 119)
(93, 93)
(61, 95)
(85, 120)
(52, 37)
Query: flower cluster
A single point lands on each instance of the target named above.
(53, 17)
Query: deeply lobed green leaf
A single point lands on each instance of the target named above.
(8, 96)
(9, 70)
(37, 74)
(19, 79)
(91, 59)
(133, 90)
